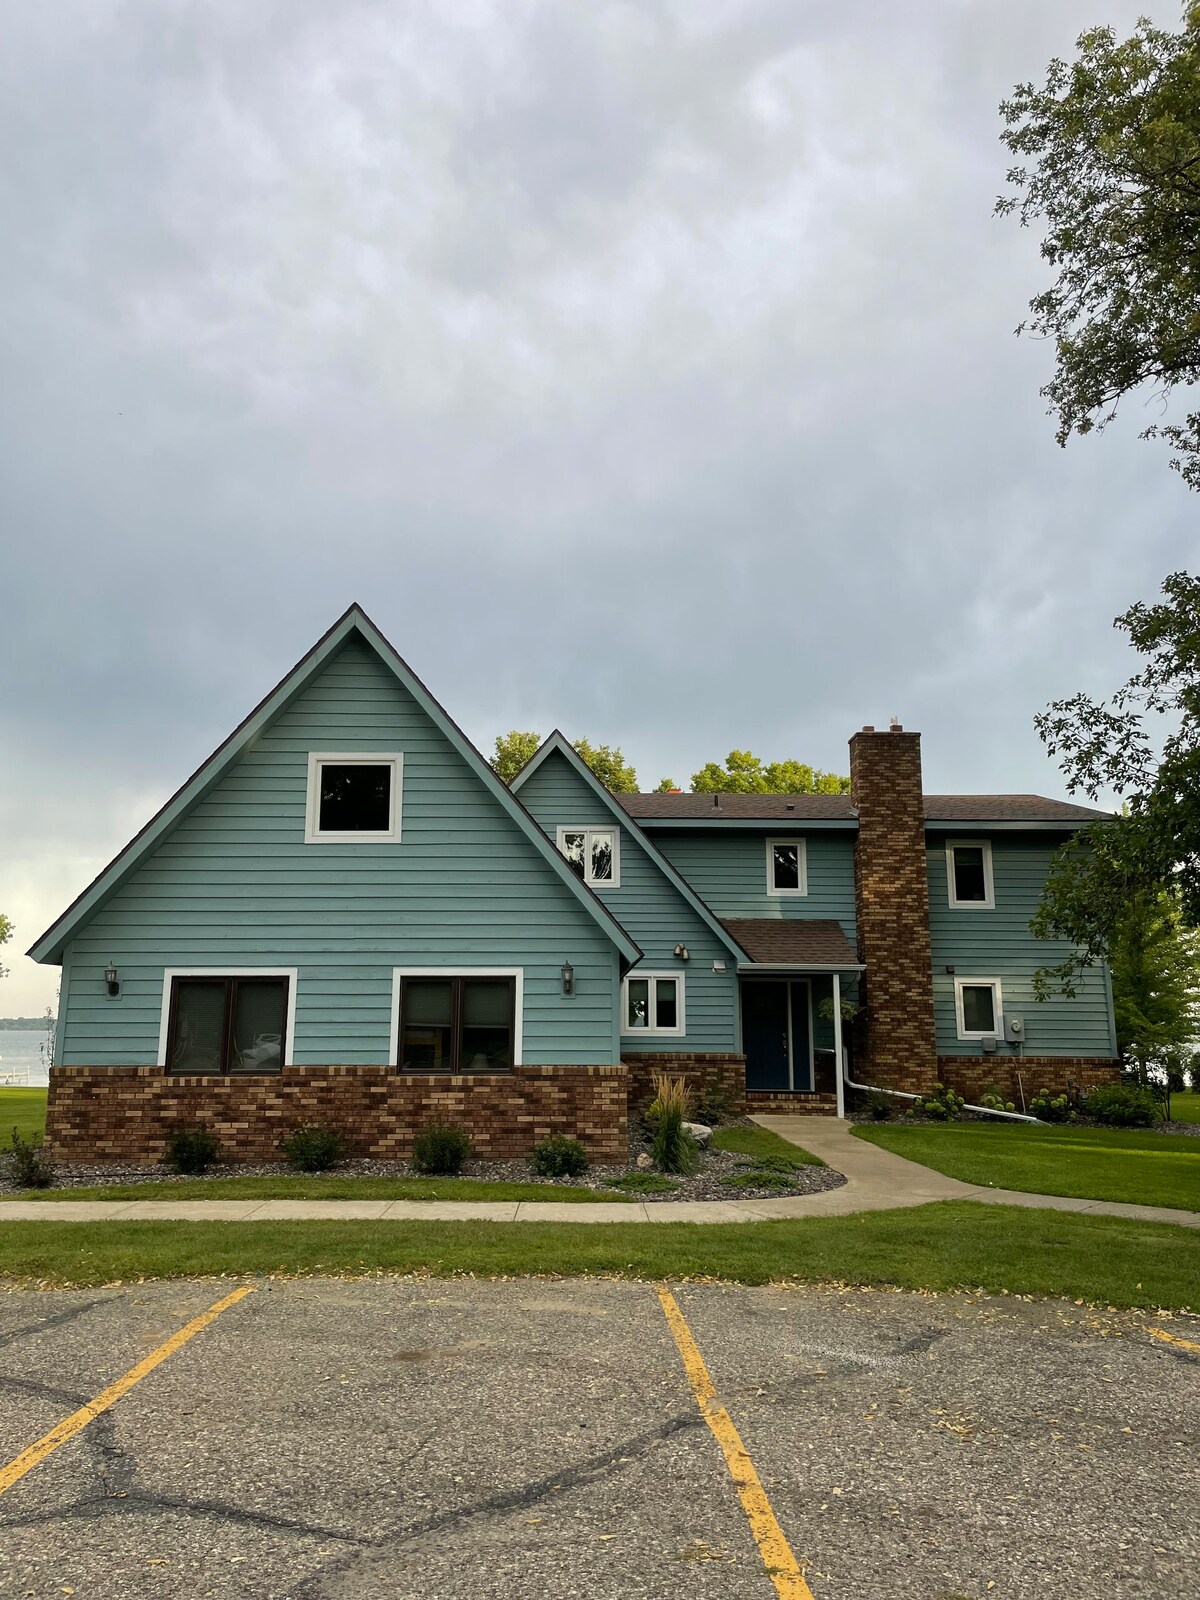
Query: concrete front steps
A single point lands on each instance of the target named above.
(790, 1105)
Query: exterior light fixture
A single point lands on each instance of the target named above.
(110, 979)
(683, 953)
(568, 978)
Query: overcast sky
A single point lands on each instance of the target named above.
(645, 368)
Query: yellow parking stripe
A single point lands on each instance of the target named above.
(78, 1420)
(1172, 1338)
(782, 1566)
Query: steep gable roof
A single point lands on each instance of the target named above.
(557, 744)
(354, 623)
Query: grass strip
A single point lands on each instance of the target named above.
(23, 1109)
(950, 1245)
(320, 1186)
(1132, 1165)
(761, 1143)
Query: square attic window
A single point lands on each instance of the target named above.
(353, 797)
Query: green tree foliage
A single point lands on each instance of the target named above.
(6, 933)
(1155, 966)
(744, 773)
(665, 786)
(1144, 746)
(514, 750)
(1110, 153)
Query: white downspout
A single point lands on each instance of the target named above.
(903, 1094)
(838, 1068)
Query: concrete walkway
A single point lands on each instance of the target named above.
(876, 1180)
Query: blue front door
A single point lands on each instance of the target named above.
(775, 1036)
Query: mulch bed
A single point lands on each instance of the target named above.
(704, 1184)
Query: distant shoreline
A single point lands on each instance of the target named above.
(25, 1024)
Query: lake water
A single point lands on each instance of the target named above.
(21, 1053)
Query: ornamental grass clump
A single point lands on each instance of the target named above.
(672, 1147)
(441, 1149)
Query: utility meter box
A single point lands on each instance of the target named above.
(1014, 1030)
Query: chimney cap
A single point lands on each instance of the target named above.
(868, 727)
(895, 726)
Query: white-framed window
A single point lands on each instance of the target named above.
(652, 1002)
(787, 867)
(227, 1020)
(978, 1007)
(969, 875)
(457, 1020)
(354, 797)
(593, 854)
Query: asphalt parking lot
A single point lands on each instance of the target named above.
(325, 1438)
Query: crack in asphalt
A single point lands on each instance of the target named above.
(56, 1321)
(135, 1500)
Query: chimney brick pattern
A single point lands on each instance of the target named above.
(891, 893)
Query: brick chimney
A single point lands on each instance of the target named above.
(891, 895)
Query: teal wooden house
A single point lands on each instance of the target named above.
(345, 917)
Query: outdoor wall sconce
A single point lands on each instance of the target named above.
(683, 953)
(110, 978)
(568, 978)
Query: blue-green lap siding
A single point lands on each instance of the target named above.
(236, 886)
(729, 872)
(997, 943)
(652, 910)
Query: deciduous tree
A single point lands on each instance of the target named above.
(744, 773)
(514, 750)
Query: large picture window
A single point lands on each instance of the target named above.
(236, 1024)
(457, 1024)
(353, 797)
(653, 1003)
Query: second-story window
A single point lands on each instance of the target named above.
(593, 854)
(787, 867)
(353, 797)
(969, 875)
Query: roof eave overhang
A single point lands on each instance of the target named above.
(801, 966)
(775, 824)
(1009, 825)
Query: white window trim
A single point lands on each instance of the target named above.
(171, 973)
(637, 975)
(353, 758)
(518, 973)
(997, 1007)
(801, 861)
(988, 903)
(594, 883)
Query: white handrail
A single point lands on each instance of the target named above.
(903, 1094)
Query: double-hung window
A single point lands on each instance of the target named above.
(236, 1024)
(979, 1007)
(787, 867)
(653, 1003)
(969, 875)
(457, 1024)
(593, 854)
(353, 797)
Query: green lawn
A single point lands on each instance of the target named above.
(320, 1186)
(947, 1246)
(1185, 1107)
(1151, 1169)
(24, 1109)
(761, 1143)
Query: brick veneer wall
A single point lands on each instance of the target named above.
(125, 1113)
(726, 1073)
(971, 1075)
(891, 895)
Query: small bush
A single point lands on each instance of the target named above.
(778, 1164)
(1124, 1105)
(673, 1148)
(441, 1148)
(715, 1107)
(314, 1149)
(192, 1149)
(879, 1107)
(560, 1156)
(758, 1178)
(1047, 1107)
(27, 1164)
(642, 1183)
(996, 1102)
(943, 1105)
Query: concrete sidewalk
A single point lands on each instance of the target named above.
(876, 1180)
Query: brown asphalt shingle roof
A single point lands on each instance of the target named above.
(837, 808)
(802, 943)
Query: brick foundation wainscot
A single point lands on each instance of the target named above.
(970, 1076)
(723, 1074)
(124, 1114)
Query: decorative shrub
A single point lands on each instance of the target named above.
(192, 1149)
(943, 1105)
(673, 1148)
(441, 1147)
(879, 1107)
(314, 1149)
(715, 1107)
(1124, 1105)
(670, 1094)
(757, 1178)
(996, 1102)
(642, 1183)
(27, 1163)
(779, 1164)
(1047, 1107)
(559, 1156)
